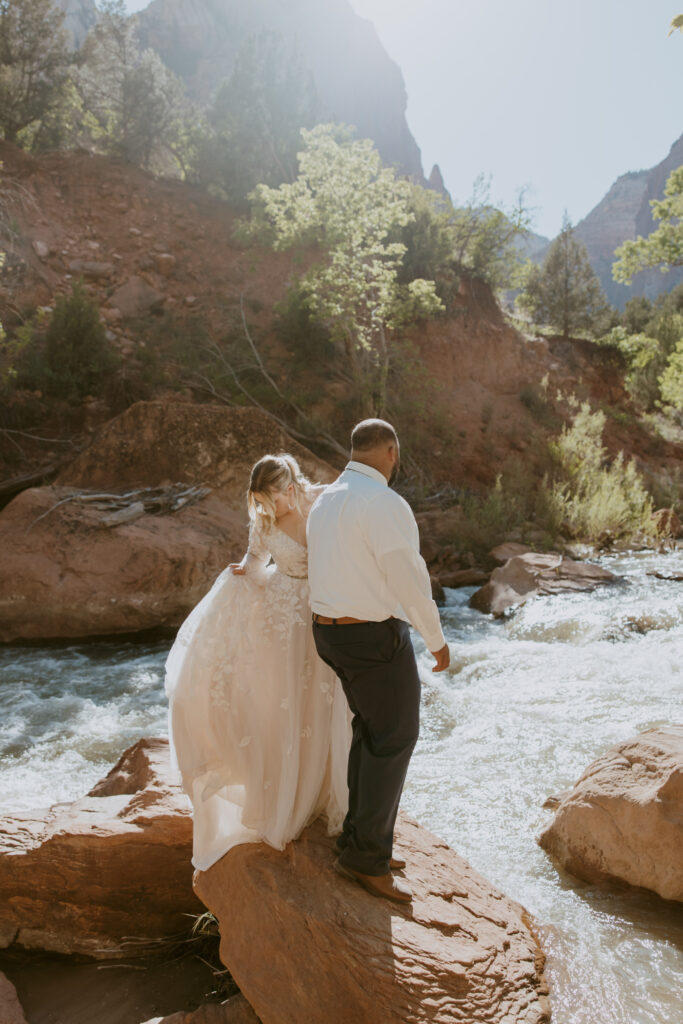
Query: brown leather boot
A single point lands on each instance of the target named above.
(379, 885)
(395, 864)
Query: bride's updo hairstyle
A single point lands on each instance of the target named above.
(270, 474)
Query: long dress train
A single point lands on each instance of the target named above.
(259, 725)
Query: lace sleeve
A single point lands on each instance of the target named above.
(258, 553)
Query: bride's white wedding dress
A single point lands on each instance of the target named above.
(259, 725)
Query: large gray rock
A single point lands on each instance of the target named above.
(312, 946)
(623, 819)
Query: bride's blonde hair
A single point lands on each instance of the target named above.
(274, 473)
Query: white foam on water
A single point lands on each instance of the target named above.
(528, 703)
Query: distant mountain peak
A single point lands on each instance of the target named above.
(79, 18)
(356, 79)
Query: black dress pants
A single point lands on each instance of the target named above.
(375, 662)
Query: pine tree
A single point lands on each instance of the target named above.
(564, 292)
(34, 61)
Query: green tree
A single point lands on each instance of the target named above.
(34, 61)
(255, 121)
(78, 356)
(485, 236)
(671, 381)
(637, 314)
(564, 292)
(663, 247)
(348, 205)
(133, 106)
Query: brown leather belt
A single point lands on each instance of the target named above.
(345, 620)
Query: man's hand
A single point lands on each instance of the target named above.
(237, 569)
(443, 659)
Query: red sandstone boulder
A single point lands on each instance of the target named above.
(528, 574)
(66, 573)
(108, 875)
(623, 820)
(667, 523)
(304, 944)
(69, 575)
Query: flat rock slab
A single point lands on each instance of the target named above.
(529, 574)
(304, 944)
(623, 820)
(106, 876)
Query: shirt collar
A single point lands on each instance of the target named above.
(360, 467)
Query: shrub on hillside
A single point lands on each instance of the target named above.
(586, 495)
(66, 356)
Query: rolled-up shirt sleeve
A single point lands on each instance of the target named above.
(394, 539)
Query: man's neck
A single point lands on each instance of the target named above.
(369, 461)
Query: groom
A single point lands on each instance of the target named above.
(368, 580)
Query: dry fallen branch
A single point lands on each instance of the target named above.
(131, 505)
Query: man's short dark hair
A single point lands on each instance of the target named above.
(370, 434)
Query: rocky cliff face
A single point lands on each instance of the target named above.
(625, 213)
(357, 81)
(79, 17)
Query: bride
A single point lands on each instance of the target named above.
(259, 725)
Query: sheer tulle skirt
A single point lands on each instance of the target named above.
(259, 725)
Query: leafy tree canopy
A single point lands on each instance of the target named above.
(254, 123)
(34, 59)
(348, 205)
(663, 247)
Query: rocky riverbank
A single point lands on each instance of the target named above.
(110, 876)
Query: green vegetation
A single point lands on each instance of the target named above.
(588, 497)
(347, 204)
(65, 354)
(570, 490)
(34, 62)
(662, 248)
(564, 293)
(650, 339)
(484, 236)
(253, 127)
(129, 103)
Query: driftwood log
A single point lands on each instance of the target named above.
(131, 505)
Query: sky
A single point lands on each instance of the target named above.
(559, 98)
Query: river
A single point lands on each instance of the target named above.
(528, 703)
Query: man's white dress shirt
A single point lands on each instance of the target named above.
(364, 556)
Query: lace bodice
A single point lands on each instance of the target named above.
(290, 557)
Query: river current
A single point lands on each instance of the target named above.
(528, 703)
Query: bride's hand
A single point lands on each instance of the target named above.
(237, 569)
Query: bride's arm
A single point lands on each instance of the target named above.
(257, 556)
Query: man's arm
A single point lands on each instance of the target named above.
(394, 540)
(408, 579)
